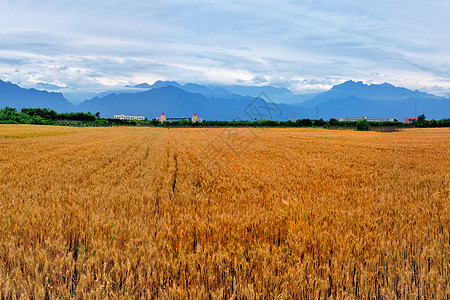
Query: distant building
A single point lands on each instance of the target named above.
(292, 119)
(177, 119)
(133, 118)
(412, 120)
(372, 119)
(193, 119)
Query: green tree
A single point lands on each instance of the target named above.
(304, 122)
(362, 125)
(43, 113)
(421, 118)
(319, 122)
(333, 122)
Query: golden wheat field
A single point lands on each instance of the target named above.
(224, 213)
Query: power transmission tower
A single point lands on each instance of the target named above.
(317, 112)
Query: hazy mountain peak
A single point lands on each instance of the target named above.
(155, 85)
(380, 91)
(160, 83)
(14, 96)
(359, 84)
(356, 98)
(143, 85)
(348, 84)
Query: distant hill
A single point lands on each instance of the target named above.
(278, 95)
(141, 86)
(433, 108)
(358, 89)
(377, 100)
(14, 96)
(350, 99)
(176, 102)
(211, 92)
(151, 103)
(157, 84)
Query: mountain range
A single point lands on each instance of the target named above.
(239, 102)
(13, 95)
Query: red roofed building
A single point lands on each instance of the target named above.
(410, 120)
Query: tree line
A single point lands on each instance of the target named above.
(360, 125)
(44, 116)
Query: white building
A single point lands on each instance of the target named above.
(133, 118)
(373, 119)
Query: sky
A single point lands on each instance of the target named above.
(306, 46)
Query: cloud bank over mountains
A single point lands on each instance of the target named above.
(305, 46)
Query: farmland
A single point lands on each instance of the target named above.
(223, 213)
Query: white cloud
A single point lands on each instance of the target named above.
(306, 45)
